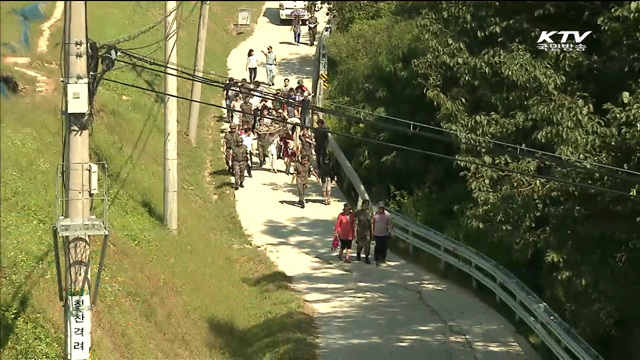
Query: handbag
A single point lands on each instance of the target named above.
(335, 243)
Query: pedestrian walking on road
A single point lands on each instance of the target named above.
(239, 158)
(382, 230)
(271, 63)
(296, 27)
(247, 141)
(262, 132)
(321, 137)
(363, 231)
(312, 24)
(344, 230)
(273, 151)
(236, 109)
(288, 150)
(247, 113)
(301, 175)
(252, 66)
(229, 92)
(286, 88)
(230, 139)
(327, 177)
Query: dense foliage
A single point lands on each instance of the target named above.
(474, 69)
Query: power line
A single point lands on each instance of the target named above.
(499, 168)
(178, 26)
(141, 31)
(180, 68)
(461, 134)
(192, 77)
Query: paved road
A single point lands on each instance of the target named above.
(395, 311)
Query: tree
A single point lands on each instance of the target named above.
(473, 68)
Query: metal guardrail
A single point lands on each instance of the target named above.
(554, 332)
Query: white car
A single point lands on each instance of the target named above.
(286, 7)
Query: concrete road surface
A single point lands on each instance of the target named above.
(362, 311)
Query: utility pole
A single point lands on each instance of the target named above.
(78, 303)
(196, 86)
(171, 121)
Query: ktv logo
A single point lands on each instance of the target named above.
(545, 42)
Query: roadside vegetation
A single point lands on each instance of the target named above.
(204, 293)
(474, 68)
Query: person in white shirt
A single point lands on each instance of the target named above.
(252, 66)
(247, 141)
(271, 64)
(382, 230)
(237, 112)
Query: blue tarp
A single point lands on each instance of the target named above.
(3, 91)
(31, 12)
(27, 15)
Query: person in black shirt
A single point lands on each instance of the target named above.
(321, 137)
(327, 176)
(229, 92)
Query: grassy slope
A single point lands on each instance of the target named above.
(205, 293)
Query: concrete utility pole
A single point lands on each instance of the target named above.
(171, 121)
(196, 86)
(78, 307)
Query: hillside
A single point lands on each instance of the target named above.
(204, 293)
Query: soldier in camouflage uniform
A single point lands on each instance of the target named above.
(306, 143)
(301, 174)
(229, 143)
(240, 157)
(262, 130)
(363, 231)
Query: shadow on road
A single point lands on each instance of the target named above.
(414, 308)
(293, 67)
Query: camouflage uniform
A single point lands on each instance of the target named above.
(363, 231)
(230, 139)
(263, 131)
(239, 154)
(306, 147)
(302, 170)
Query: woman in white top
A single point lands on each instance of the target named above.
(382, 230)
(252, 66)
(235, 106)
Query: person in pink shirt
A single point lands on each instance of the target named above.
(344, 231)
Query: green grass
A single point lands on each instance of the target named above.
(199, 294)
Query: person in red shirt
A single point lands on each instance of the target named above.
(344, 231)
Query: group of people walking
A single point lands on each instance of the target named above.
(269, 126)
(275, 125)
(363, 226)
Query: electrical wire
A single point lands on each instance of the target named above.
(518, 153)
(434, 154)
(140, 32)
(174, 32)
(518, 148)
(461, 134)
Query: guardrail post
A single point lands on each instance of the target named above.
(517, 318)
(473, 278)
(442, 259)
(497, 297)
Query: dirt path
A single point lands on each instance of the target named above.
(362, 311)
(43, 41)
(43, 83)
